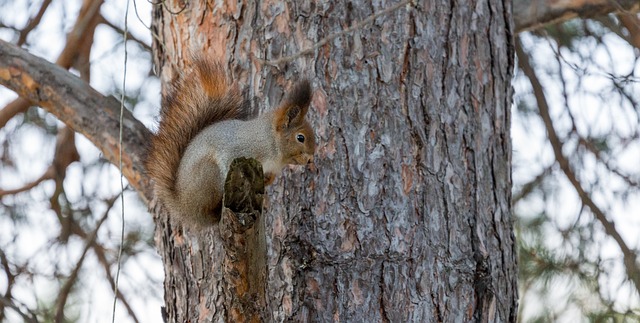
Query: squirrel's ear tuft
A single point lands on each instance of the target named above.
(300, 95)
(295, 106)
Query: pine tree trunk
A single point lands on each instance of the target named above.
(406, 216)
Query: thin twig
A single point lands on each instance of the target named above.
(629, 256)
(530, 186)
(10, 110)
(102, 259)
(129, 36)
(598, 154)
(100, 252)
(33, 23)
(10, 304)
(63, 293)
(11, 278)
(48, 174)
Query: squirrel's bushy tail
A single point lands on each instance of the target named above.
(194, 101)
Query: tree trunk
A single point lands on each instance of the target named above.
(406, 215)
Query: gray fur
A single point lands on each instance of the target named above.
(204, 166)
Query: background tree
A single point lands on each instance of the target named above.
(58, 245)
(74, 197)
(576, 196)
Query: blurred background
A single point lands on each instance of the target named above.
(576, 170)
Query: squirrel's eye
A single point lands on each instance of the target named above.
(300, 138)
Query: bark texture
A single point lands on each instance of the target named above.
(406, 215)
(245, 260)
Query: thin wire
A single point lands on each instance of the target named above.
(124, 83)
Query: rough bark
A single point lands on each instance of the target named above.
(242, 231)
(406, 216)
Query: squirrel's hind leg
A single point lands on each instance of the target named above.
(200, 187)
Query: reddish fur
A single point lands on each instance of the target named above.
(194, 101)
(298, 98)
(199, 99)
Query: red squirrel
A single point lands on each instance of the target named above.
(204, 126)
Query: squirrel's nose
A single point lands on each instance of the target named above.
(311, 166)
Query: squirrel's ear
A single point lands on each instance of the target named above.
(295, 106)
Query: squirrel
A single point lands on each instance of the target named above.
(204, 125)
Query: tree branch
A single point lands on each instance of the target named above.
(629, 256)
(47, 175)
(101, 253)
(79, 106)
(10, 304)
(120, 31)
(11, 278)
(530, 186)
(65, 290)
(80, 34)
(14, 107)
(64, 155)
(533, 14)
(33, 22)
(632, 24)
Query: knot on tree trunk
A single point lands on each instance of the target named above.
(243, 193)
(243, 236)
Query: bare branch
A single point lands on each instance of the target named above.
(79, 35)
(120, 31)
(629, 256)
(10, 282)
(12, 28)
(14, 107)
(33, 22)
(79, 106)
(102, 259)
(87, 20)
(65, 154)
(10, 304)
(632, 24)
(530, 186)
(533, 14)
(48, 174)
(100, 253)
(65, 290)
(589, 146)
